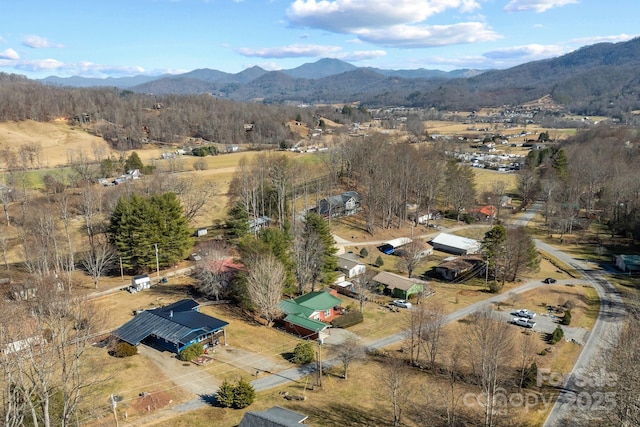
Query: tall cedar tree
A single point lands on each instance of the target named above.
(138, 224)
(238, 220)
(326, 272)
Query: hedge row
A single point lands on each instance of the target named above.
(347, 320)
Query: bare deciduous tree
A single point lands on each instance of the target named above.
(347, 352)
(490, 349)
(395, 376)
(265, 278)
(98, 259)
(432, 333)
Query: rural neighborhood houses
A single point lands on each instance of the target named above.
(399, 286)
(174, 327)
(455, 244)
(310, 314)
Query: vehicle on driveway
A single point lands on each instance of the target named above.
(524, 322)
(549, 280)
(525, 313)
(401, 303)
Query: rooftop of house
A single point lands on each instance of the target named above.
(275, 416)
(395, 281)
(177, 322)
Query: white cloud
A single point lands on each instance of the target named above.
(411, 36)
(40, 65)
(361, 55)
(345, 16)
(602, 39)
(9, 54)
(291, 51)
(531, 52)
(537, 6)
(38, 42)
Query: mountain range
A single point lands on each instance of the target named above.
(601, 79)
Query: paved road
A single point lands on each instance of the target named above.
(567, 410)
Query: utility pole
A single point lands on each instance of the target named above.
(319, 362)
(121, 270)
(157, 261)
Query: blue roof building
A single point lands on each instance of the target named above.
(175, 327)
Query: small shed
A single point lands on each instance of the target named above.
(140, 282)
(201, 232)
(350, 265)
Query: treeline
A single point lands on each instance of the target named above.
(592, 177)
(127, 120)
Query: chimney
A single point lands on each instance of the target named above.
(170, 314)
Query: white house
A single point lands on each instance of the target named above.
(455, 244)
(350, 265)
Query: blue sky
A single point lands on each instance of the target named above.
(115, 38)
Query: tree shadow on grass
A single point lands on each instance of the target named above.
(344, 414)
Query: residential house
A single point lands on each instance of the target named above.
(310, 314)
(350, 265)
(399, 286)
(486, 213)
(455, 244)
(344, 204)
(275, 416)
(454, 267)
(174, 327)
(255, 225)
(628, 263)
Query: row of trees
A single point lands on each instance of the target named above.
(590, 177)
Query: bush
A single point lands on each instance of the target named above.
(347, 320)
(364, 253)
(303, 353)
(495, 287)
(124, 349)
(379, 261)
(557, 335)
(566, 319)
(209, 150)
(191, 352)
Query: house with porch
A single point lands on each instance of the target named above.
(309, 314)
(399, 286)
(174, 327)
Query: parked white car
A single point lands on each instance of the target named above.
(525, 313)
(524, 322)
(401, 303)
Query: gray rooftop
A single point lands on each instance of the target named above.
(272, 417)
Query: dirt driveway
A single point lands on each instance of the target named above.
(188, 376)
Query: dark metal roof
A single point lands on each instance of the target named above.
(273, 417)
(176, 323)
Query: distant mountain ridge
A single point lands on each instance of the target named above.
(601, 79)
(317, 70)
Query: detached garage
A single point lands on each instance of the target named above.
(455, 244)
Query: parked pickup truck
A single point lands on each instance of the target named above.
(525, 313)
(524, 322)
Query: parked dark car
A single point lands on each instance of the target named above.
(549, 280)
